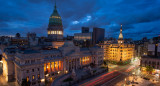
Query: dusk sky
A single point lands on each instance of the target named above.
(140, 18)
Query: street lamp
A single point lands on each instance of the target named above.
(58, 72)
(66, 71)
(42, 80)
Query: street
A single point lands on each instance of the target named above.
(116, 74)
(113, 74)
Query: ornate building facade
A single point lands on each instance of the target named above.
(38, 62)
(118, 52)
(34, 64)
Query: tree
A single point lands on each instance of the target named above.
(18, 35)
(149, 69)
(92, 64)
(105, 63)
(25, 83)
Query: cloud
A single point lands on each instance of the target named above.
(33, 15)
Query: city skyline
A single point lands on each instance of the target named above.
(79, 43)
(139, 18)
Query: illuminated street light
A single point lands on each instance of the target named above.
(58, 72)
(47, 75)
(1, 61)
(66, 71)
(42, 80)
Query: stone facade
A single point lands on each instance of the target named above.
(150, 61)
(34, 64)
(118, 52)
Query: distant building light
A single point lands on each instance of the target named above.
(1, 61)
(58, 72)
(42, 80)
(66, 71)
(47, 75)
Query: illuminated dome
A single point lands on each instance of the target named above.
(55, 18)
(55, 27)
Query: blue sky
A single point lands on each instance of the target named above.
(140, 18)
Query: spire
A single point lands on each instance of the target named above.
(55, 18)
(55, 8)
(55, 5)
(121, 35)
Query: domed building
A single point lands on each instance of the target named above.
(55, 27)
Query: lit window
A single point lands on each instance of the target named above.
(27, 78)
(38, 76)
(60, 32)
(49, 32)
(33, 77)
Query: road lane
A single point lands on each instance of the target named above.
(109, 76)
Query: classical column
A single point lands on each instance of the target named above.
(74, 63)
(71, 63)
(85, 60)
(80, 61)
(54, 66)
(61, 65)
(68, 64)
(46, 67)
(50, 67)
(58, 65)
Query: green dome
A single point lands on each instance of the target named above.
(55, 18)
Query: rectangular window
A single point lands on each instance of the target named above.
(33, 77)
(32, 70)
(32, 61)
(27, 78)
(38, 60)
(38, 76)
(27, 71)
(60, 32)
(26, 61)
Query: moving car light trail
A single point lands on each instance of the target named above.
(106, 77)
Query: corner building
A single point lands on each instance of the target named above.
(118, 52)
